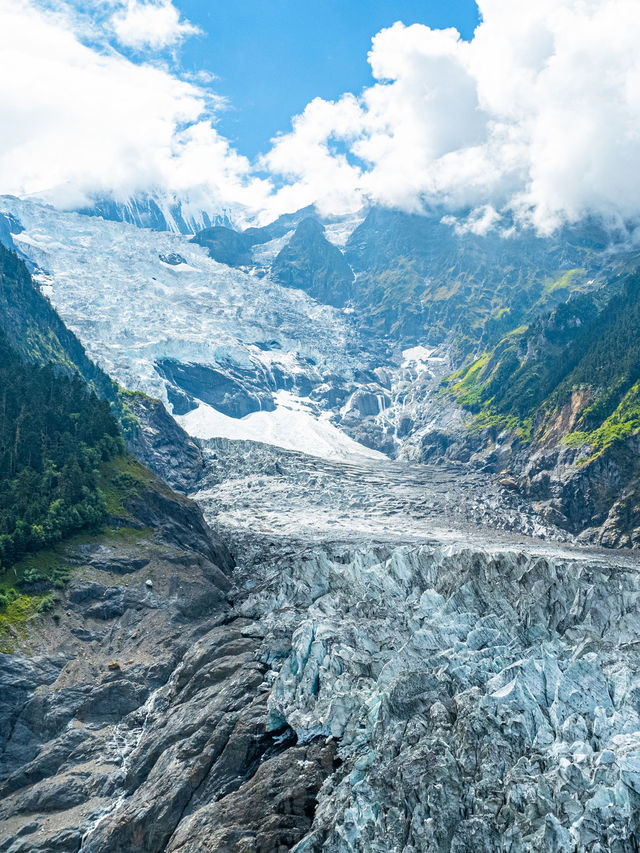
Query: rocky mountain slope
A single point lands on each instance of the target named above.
(553, 407)
(353, 651)
(120, 626)
(114, 545)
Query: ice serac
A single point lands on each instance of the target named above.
(360, 689)
(481, 691)
(159, 211)
(480, 697)
(363, 688)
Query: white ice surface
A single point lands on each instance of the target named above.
(416, 355)
(130, 309)
(263, 253)
(291, 425)
(419, 357)
(339, 232)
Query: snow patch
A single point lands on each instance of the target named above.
(292, 425)
(339, 232)
(264, 253)
(419, 356)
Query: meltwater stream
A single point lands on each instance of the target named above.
(121, 747)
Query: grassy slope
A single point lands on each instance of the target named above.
(532, 373)
(31, 586)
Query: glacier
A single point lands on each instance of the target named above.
(150, 305)
(408, 659)
(481, 689)
(441, 690)
(111, 283)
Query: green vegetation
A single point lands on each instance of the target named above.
(50, 569)
(64, 471)
(119, 480)
(534, 371)
(570, 280)
(15, 614)
(417, 276)
(54, 437)
(30, 586)
(621, 424)
(38, 335)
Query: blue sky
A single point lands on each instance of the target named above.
(272, 57)
(532, 113)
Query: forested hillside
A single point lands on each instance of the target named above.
(63, 463)
(55, 434)
(36, 332)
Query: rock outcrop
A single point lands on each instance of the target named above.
(163, 446)
(311, 263)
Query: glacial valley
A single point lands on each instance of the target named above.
(344, 624)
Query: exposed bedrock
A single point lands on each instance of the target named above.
(163, 446)
(234, 391)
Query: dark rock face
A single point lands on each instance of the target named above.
(234, 392)
(270, 812)
(593, 496)
(17, 683)
(164, 446)
(226, 245)
(71, 718)
(310, 262)
(368, 403)
(166, 747)
(597, 500)
(178, 522)
(233, 248)
(172, 258)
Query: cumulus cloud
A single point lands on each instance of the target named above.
(78, 121)
(536, 119)
(538, 114)
(153, 25)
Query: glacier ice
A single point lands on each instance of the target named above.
(113, 287)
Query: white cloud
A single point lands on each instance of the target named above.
(540, 113)
(77, 121)
(153, 25)
(480, 221)
(538, 116)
